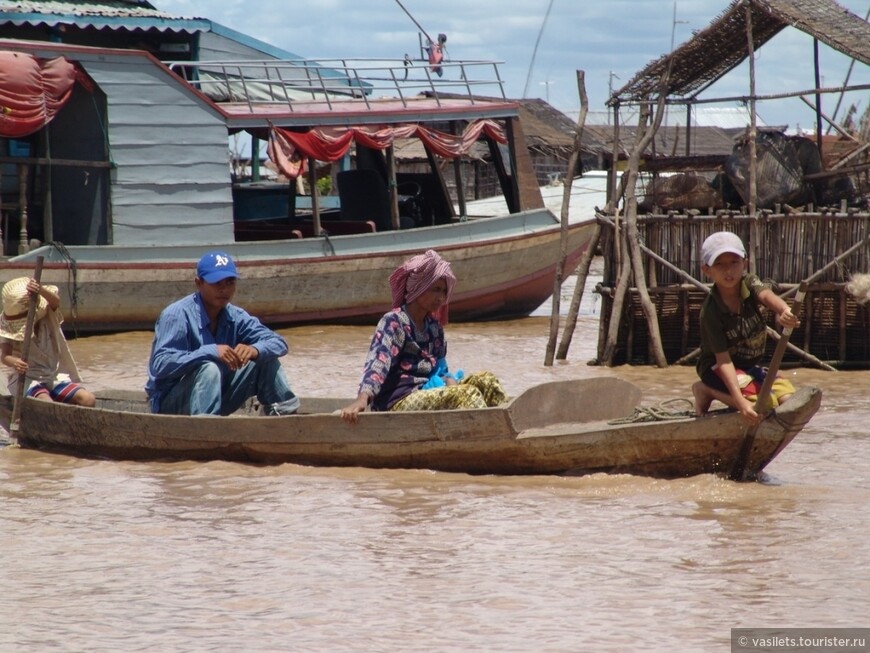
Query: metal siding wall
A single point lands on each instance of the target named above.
(172, 180)
(215, 47)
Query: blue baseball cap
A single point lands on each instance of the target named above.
(216, 266)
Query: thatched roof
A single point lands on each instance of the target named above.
(722, 46)
(548, 128)
(668, 141)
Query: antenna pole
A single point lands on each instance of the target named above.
(419, 26)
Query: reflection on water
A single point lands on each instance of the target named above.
(109, 556)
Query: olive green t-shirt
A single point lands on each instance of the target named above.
(742, 335)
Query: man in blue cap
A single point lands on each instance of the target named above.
(209, 356)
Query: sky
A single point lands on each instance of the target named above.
(609, 40)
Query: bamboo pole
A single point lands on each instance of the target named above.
(762, 404)
(833, 263)
(848, 75)
(633, 245)
(577, 297)
(566, 203)
(818, 108)
(831, 123)
(21, 390)
(633, 262)
(753, 155)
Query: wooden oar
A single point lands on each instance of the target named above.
(762, 404)
(18, 400)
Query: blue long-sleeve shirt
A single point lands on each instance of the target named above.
(183, 341)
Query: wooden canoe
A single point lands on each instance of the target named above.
(561, 427)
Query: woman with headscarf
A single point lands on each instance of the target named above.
(406, 367)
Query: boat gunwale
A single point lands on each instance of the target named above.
(256, 253)
(523, 452)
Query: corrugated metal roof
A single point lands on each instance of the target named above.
(109, 8)
(722, 46)
(114, 14)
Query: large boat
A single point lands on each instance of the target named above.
(573, 427)
(130, 176)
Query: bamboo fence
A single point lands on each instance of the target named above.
(825, 247)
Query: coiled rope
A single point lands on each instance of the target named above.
(661, 411)
(72, 279)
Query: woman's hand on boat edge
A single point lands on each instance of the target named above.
(350, 412)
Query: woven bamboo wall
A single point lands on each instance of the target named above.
(835, 328)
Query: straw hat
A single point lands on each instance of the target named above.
(16, 302)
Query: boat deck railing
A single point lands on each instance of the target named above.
(334, 81)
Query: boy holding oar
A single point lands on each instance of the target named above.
(734, 332)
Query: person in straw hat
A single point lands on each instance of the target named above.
(50, 372)
(406, 367)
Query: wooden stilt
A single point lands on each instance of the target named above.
(566, 204)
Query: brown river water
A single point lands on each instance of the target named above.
(103, 556)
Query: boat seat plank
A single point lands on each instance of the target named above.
(577, 401)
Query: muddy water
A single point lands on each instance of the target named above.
(107, 556)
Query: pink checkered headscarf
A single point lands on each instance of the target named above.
(416, 275)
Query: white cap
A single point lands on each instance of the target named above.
(720, 243)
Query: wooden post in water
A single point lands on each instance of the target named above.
(566, 203)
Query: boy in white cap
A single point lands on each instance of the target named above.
(734, 332)
(209, 356)
(50, 373)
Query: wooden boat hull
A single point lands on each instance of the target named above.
(555, 428)
(505, 268)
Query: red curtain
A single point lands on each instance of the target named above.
(32, 91)
(289, 150)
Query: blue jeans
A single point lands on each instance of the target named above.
(205, 391)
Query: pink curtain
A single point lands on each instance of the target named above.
(32, 91)
(289, 150)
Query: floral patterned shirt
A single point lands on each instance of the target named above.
(401, 357)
